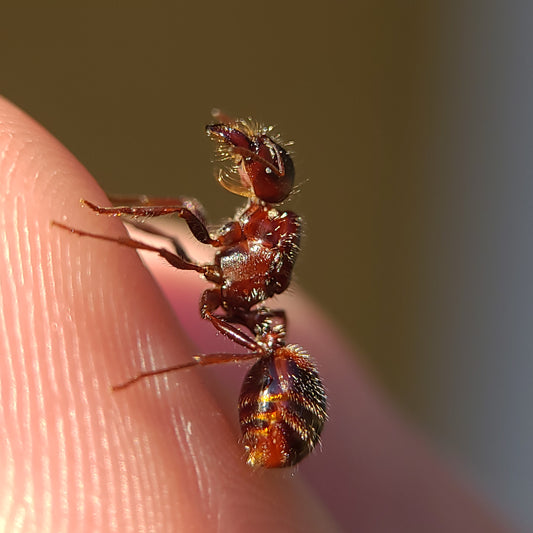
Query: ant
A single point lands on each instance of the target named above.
(282, 404)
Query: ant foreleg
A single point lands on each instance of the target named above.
(199, 360)
(188, 210)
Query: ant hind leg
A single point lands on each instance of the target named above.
(198, 360)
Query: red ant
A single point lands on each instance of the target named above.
(282, 404)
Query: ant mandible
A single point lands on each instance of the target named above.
(282, 404)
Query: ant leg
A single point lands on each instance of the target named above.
(232, 333)
(211, 300)
(209, 271)
(152, 201)
(189, 210)
(147, 228)
(199, 360)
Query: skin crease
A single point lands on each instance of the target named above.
(79, 315)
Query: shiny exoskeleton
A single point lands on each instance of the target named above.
(282, 408)
(282, 405)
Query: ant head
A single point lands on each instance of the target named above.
(259, 167)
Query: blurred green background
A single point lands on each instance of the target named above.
(402, 156)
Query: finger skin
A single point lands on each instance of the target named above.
(78, 316)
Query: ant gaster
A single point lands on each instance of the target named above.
(282, 404)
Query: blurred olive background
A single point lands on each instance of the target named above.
(413, 126)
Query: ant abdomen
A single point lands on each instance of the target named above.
(282, 408)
